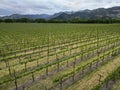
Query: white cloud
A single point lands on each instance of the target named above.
(51, 6)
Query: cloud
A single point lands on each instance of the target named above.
(51, 6)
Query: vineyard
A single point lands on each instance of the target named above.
(59, 56)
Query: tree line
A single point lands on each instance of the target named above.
(26, 20)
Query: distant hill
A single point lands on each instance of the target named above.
(18, 16)
(100, 13)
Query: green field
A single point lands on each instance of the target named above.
(59, 56)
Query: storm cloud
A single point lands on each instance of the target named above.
(8, 7)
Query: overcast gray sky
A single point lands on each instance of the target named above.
(8, 7)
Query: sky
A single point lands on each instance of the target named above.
(8, 7)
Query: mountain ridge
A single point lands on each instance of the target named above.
(100, 13)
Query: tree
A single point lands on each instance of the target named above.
(40, 20)
(1, 20)
(8, 20)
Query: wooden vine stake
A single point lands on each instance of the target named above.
(19, 59)
(100, 79)
(58, 66)
(73, 70)
(37, 63)
(97, 63)
(81, 55)
(63, 54)
(102, 59)
(33, 78)
(15, 54)
(30, 57)
(91, 66)
(47, 59)
(61, 81)
(9, 69)
(25, 65)
(6, 63)
(39, 54)
(16, 85)
(33, 50)
(107, 81)
(57, 59)
(3, 56)
(82, 70)
(67, 63)
(25, 52)
(47, 70)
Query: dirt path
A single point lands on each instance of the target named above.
(88, 82)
